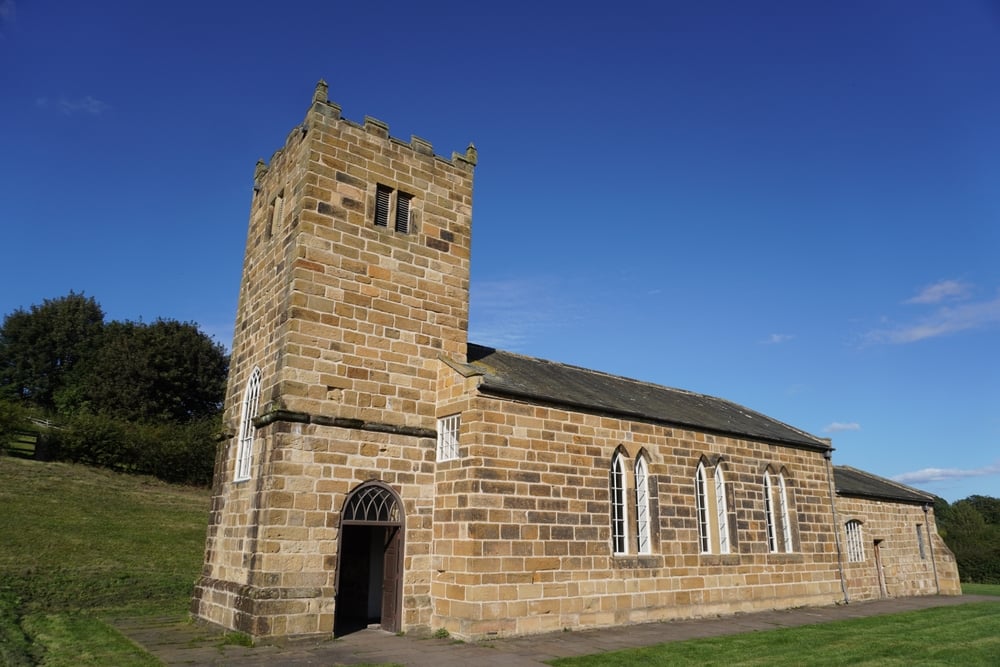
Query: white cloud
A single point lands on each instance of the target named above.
(940, 291)
(946, 474)
(506, 313)
(87, 104)
(944, 321)
(775, 339)
(837, 427)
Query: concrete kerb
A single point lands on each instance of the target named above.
(177, 641)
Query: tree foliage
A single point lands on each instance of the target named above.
(971, 529)
(181, 453)
(13, 420)
(126, 395)
(167, 371)
(40, 347)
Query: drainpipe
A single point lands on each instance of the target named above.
(930, 541)
(828, 455)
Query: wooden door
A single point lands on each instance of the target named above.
(392, 579)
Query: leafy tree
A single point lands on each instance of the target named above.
(41, 346)
(988, 507)
(167, 371)
(974, 541)
(13, 418)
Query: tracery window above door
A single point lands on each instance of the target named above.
(372, 504)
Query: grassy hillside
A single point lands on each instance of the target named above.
(79, 543)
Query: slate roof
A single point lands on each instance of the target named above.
(515, 375)
(853, 482)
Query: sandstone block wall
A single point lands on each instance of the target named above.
(906, 572)
(346, 321)
(522, 537)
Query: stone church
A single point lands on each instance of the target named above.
(381, 469)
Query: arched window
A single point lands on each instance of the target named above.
(372, 503)
(784, 516)
(701, 503)
(855, 543)
(244, 446)
(619, 539)
(642, 531)
(721, 510)
(772, 538)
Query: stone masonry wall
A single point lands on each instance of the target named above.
(346, 321)
(906, 572)
(372, 309)
(522, 538)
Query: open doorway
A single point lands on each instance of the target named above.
(370, 561)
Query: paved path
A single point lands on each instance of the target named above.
(177, 641)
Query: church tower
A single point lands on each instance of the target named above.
(355, 285)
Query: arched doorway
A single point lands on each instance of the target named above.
(370, 560)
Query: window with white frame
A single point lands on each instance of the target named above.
(855, 542)
(392, 205)
(642, 530)
(783, 515)
(244, 446)
(721, 510)
(447, 444)
(701, 506)
(619, 528)
(772, 538)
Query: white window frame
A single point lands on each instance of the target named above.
(701, 507)
(772, 538)
(855, 542)
(447, 437)
(244, 446)
(642, 529)
(721, 510)
(619, 513)
(783, 515)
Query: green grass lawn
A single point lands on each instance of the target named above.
(81, 544)
(961, 636)
(981, 589)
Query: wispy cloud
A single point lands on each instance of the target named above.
(837, 427)
(87, 105)
(777, 338)
(507, 313)
(8, 11)
(943, 322)
(942, 291)
(945, 319)
(946, 474)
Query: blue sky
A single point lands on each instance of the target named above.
(792, 205)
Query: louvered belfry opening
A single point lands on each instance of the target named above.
(383, 200)
(372, 504)
(403, 212)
